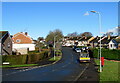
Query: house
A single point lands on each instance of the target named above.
(104, 41)
(83, 41)
(5, 43)
(118, 41)
(113, 44)
(119, 46)
(22, 40)
(94, 42)
(70, 41)
(77, 41)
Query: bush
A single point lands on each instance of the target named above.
(25, 59)
(107, 54)
(58, 52)
(36, 51)
(14, 59)
(81, 46)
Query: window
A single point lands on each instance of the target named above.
(8, 45)
(111, 45)
(18, 40)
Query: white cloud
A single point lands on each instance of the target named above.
(114, 30)
(86, 14)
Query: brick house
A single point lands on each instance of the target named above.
(22, 40)
(5, 43)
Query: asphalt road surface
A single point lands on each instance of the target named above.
(67, 69)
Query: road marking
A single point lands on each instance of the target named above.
(32, 68)
(41, 67)
(81, 73)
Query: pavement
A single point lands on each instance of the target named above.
(90, 74)
(67, 69)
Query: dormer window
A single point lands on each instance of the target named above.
(18, 40)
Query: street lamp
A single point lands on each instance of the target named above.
(99, 18)
(54, 46)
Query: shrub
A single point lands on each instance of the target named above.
(81, 46)
(58, 52)
(25, 59)
(14, 59)
(107, 54)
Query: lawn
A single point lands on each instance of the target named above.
(110, 71)
(24, 65)
(56, 58)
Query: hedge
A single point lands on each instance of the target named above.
(107, 54)
(14, 59)
(25, 59)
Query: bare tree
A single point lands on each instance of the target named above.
(50, 37)
(74, 34)
(39, 44)
(86, 34)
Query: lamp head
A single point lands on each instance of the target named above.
(93, 11)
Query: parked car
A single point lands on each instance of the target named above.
(84, 56)
(74, 48)
(78, 50)
(85, 48)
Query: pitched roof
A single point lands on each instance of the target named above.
(84, 38)
(23, 33)
(72, 38)
(104, 39)
(117, 40)
(2, 33)
(96, 39)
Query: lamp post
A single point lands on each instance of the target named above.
(99, 18)
(54, 46)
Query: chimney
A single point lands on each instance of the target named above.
(26, 33)
(108, 37)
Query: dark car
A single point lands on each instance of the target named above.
(74, 48)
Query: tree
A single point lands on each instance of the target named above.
(74, 34)
(50, 37)
(39, 44)
(108, 34)
(86, 34)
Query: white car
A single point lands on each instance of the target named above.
(78, 50)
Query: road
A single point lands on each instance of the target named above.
(67, 69)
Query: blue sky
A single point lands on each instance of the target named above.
(38, 18)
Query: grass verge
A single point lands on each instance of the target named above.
(24, 65)
(110, 71)
(56, 58)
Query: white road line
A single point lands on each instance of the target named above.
(30, 68)
(39, 67)
(81, 73)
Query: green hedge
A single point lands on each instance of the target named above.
(81, 46)
(107, 54)
(14, 59)
(33, 58)
(58, 52)
(25, 59)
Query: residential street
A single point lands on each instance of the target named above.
(67, 69)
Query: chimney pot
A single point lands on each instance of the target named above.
(26, 33)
